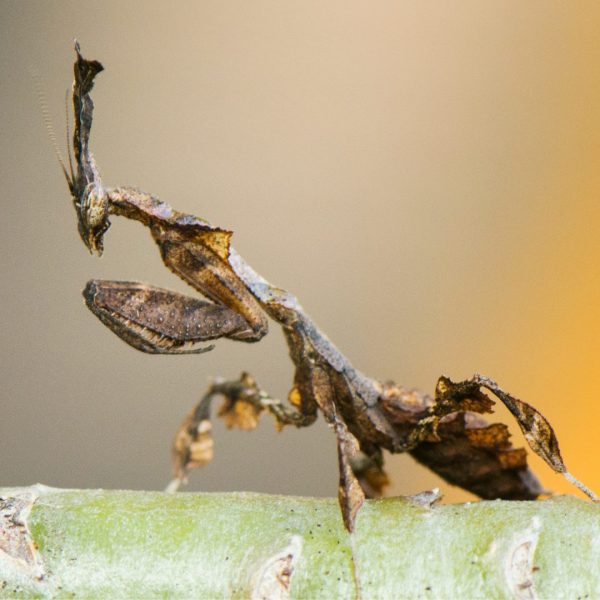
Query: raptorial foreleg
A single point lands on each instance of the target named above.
(159, 321)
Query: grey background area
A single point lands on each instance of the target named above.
(423, 176)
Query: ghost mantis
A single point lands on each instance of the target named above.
(444, 432)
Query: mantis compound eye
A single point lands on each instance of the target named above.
(92, 215)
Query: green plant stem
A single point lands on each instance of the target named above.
(125, 544)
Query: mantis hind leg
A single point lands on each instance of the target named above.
(243, 403)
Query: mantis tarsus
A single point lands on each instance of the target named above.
(443, 431)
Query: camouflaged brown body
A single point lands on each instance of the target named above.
(441, 431)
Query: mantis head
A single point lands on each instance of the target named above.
(92, 215)
(89, 197)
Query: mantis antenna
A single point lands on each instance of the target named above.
(41, 95)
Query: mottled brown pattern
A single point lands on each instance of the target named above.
(443, 432)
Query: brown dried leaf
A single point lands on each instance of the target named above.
(515, 458)
(240, 413)
(241, 407)
(461, 396)
(350, 494)
(537, 431)
(479, 459)
(217, 240)
(492, 436)
(192, 445)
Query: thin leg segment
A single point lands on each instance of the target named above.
(243, 403)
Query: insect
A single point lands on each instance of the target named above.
(443, 431)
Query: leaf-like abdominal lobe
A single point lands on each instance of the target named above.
(159, 321)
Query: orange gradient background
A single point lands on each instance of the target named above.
(423, 175)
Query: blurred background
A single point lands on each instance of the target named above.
(423, 176)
